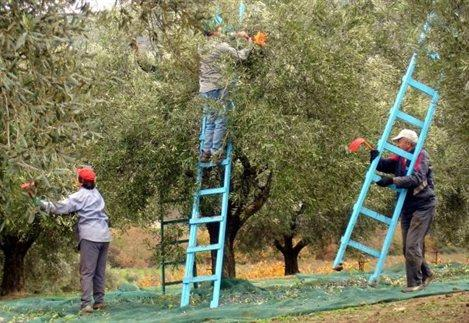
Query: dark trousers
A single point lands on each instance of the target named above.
(93, 257)
(415, 227)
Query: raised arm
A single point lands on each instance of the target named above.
(237, 54)
(71, 204)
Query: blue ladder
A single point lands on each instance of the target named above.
(197, 220)
(371, 177)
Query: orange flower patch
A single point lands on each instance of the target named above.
(260, 39)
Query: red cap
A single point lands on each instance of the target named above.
(86, 174)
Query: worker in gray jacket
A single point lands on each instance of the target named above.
(419, 205)
(93, 234)
(213, 86)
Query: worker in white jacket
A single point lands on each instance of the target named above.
(93, 234)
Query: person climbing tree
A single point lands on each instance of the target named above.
(213, 87)
(93, 235)
(418, 209)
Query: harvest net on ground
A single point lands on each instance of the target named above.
(240, 300)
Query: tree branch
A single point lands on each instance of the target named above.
(279, 246)
(300, 245)
(258, 201)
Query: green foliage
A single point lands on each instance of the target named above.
(328, 74)
(43, 90)
(148, 126)
(44, 83)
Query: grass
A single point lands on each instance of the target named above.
(441, 308)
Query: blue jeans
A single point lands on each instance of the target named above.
(215, 121)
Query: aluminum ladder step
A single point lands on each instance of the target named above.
(398, 151)
(199, 279)
(422, 87)
(410, 119)
(224, 162)
(363, 248)
(375, 215)
(205, 219)
(209, 247)
(212, 191)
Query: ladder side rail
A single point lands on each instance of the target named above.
(190, 257)
(389, 237)
(397, 104)
(222, 228)
(424, 132)
(195, 213)
(202, 133)
(353, 218)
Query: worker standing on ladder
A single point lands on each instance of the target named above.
(418, 209)
(213, 86)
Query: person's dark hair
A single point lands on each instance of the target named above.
(86, 184)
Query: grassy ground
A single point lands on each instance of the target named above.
(133, 252)
(272, 268)
(441, 308)
(292, 298)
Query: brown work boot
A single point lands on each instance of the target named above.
(217, 156)
(99, 306)
(205, 156)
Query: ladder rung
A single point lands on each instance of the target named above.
(170, 263)
(176, 282)
(422, 87)
(211, 191)
(199, 279)
(410, 119)
(375, 215)
(224, 162)
(175, 221)
(398, 151)
(205, 219)
(363, 248)
(203, 248)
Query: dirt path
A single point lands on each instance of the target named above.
(441, 308)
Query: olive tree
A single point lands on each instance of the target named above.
(43, 94)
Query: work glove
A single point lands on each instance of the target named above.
(373, 154)
(385, 181)
(36, 200)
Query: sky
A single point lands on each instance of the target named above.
(101, 4)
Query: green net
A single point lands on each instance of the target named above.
(240, 300)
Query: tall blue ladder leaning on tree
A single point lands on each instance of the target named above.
(371, 177)
(196, 220)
